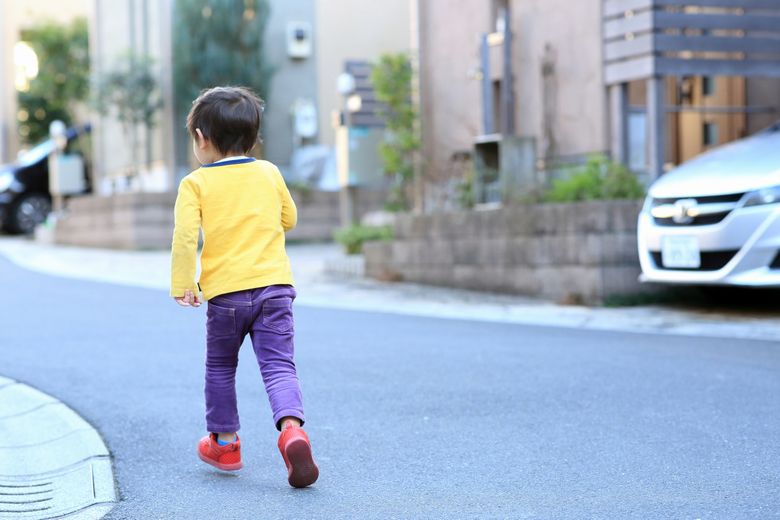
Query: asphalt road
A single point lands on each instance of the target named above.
(411, 417)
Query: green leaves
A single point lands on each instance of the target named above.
(63, 77)
(353, 237)
(129, 91)
(219, 42)
(598, 179)
(392, 80)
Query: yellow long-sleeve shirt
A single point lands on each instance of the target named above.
(244, 208)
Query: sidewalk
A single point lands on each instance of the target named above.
(319, 272)
(53, 464)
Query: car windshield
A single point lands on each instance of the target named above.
(35, 154)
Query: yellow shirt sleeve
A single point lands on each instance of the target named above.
(289, 210)
(184, 250)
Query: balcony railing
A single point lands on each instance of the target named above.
(645, 38)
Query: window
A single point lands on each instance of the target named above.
(708, 86)
(710, 134)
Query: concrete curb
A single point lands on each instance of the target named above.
(53, 464)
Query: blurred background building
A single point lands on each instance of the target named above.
(16, 65)
(303, 54)
(574, 86)
(511, 93)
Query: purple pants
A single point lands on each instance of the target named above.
(266, 315)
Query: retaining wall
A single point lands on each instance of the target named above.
(566, 252)
(145, 220)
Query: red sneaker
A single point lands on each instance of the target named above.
(226, 458)
(296, 451)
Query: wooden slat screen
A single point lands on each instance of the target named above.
(697, 37)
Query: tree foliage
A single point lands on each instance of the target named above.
(392, 80)
(63, 77)
(130, 92)
(219, 42)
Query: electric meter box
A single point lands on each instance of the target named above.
(66, 174)
(300, 43)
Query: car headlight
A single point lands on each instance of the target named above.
(6, 179)
(764, 196)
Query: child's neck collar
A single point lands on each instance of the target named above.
(225, 161)
(230, 158)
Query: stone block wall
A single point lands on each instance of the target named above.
(565, 252)
(145, 220)
(319, 213)
(123, 221)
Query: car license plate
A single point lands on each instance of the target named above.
(680, 252)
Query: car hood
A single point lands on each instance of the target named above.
(742, 166)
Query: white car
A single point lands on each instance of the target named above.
(715, 220)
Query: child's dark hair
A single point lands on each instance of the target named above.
(229, 117)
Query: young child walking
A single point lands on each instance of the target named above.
(244, 209)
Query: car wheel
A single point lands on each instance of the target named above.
(27, 212)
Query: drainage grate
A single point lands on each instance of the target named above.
(84, 487)
(62, 468)
(26, 498)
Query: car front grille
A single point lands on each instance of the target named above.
(710, 210)
(710, 261)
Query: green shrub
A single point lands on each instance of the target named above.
(392, 78)
(353, 237)
(598, 179)
(62, 80)
(303, 189)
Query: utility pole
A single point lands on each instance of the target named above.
(508, 87)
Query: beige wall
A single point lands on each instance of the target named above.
(16, 15)
(575, 121)
(8, 137)
(573, 31)
(450, 89)
(111, 37)
(354, 29)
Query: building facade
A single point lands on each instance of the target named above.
(587, 77)
(307, 43)
(14, 18)
(119, 28)
(355, 30)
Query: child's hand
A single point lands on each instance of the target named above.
(188, 300)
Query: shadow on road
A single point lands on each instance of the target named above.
(728, 300)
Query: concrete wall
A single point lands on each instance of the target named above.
(564, 33)
(145, 220)
(578, 119)
(354, 29)
(450, 89)
(293, 78)
(564, 252)
(319, 213)
(124, 221)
